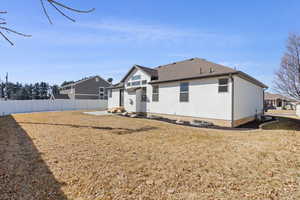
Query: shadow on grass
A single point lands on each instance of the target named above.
(24, 175)
(118, 131)
(284, 123)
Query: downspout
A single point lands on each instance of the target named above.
(264, 102)
(232, 100)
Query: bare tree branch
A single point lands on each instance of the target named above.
(59, 7)
(8, 30)
(45, 11)
(6, 38)
(72, 9)
(61, 12)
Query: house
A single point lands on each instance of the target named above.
(193, 89)
(93, 87)
(279, 102)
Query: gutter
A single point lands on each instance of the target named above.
(240, 73)
(264, 102)
(194, 77)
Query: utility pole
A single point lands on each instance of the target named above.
(6, 88)
(1, 89)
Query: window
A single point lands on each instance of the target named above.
(102, 93)
(144, 94)
(184, 92)
(136, 77)
(128, 84)
(135, 83)
(144, 82)
(223, 85)
(155, 93)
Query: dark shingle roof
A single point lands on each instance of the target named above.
(197, 68)
(84, 79)
(194, 68)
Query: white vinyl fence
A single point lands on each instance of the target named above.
(28, 106)
(298, 110)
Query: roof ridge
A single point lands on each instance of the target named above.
(145, 67)
(85, 79)
(182, 61)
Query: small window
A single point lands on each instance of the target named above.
(155, 93)
(223, 85)
(144, 94)
(144, 82)
(102, 93)
(184, 92)
(136, 77)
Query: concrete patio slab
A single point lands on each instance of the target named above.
(98, 113)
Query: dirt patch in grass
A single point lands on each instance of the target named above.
(69, 155)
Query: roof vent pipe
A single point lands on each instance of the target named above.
(211, 70)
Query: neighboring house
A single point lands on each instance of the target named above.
(61, 96)
(90, 88)
(191, 89)
(279, 102)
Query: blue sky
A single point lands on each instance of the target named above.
(248, 35)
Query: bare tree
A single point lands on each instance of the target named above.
(57, 6)
(287, 78)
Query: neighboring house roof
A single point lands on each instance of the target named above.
(115, 86)
(61, 96)
(83, 80)
(194, 68)
(270, 96)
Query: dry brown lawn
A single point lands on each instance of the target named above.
(69, 155)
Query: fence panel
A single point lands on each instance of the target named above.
(28, 106)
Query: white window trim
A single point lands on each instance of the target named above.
(220, 85)
(184, 92)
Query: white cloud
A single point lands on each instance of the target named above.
(115, 31)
